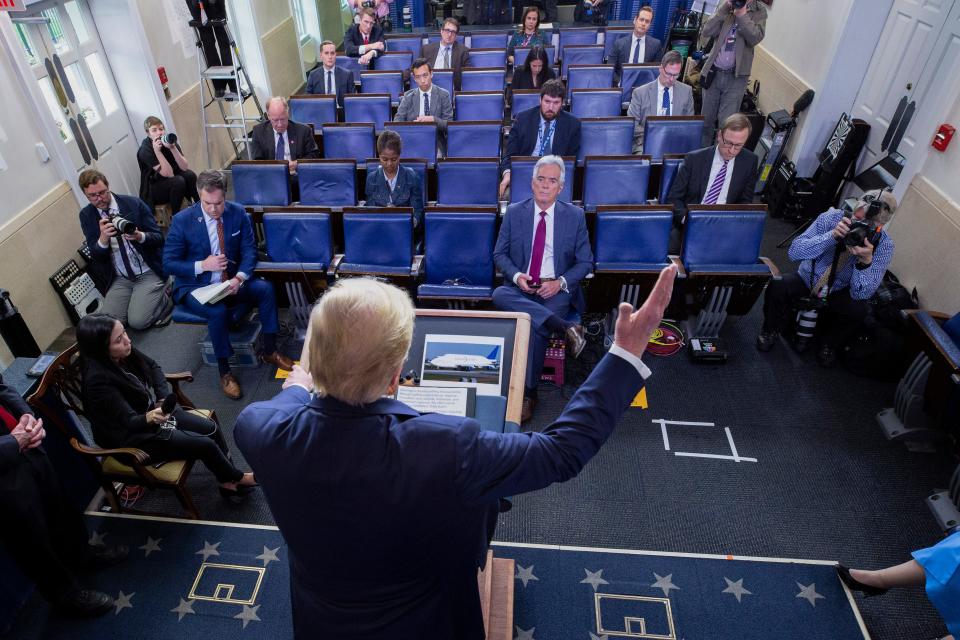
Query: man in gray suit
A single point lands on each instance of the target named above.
(427, 102)
(638, 48)
(662, 97)
(724, 77)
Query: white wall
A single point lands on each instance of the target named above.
(943, 168)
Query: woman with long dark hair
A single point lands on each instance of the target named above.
(123, 390)
(528, 34)
(534, 72)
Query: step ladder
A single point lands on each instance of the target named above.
(235, 119)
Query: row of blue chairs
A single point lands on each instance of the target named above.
(607, 180)
(629, 244)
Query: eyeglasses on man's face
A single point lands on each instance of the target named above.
(448, 30)
(735, 146)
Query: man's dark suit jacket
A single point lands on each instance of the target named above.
(690, 185)
(10, 456)
(406, 193)
(620, 54)
(385, 511)
(459, 58)
(302, 143)
(151, 249)
(523, 136)
(342, 80)
(353, 39)
(188, 242)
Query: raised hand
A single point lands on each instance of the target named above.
(634, 328)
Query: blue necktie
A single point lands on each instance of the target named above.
(666, 102)
(280, 153)
(426, 104)
(545, 140)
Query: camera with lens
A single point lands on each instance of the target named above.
(808, 310)
(738, 4)
(369, 4)
(169, 138)
(860, 230)
(123, 225)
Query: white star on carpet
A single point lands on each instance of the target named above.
(594, 579)
(665, 583)
(525, 575)
(151, 546)
(595, 637)
(248, 614)
(525, 635)
(182, 609)
(96, 539)
(208, 550)
(809, 593)
(268, 555)
(736, 588)
(123, 602)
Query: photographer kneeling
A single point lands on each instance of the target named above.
(844, 257)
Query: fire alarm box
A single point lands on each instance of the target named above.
(162, 73)
(944, 135)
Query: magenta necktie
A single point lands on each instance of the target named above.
(539, 242)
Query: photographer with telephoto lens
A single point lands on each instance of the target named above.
(843, 256)
(165, 175)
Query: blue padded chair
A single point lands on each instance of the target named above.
(467, 181)
(377, 241)
(522, 100)
(328, 183)
(419, 166)
(419, 139)
(458, 253)
(474, 139)
(383, 82)
(615, 180)
(605, 137)
(595, 103)
(313, 110)
(724, 239)
(261, 183)
(590, 76)
(405, 42)
(670, 165)
(367, 107)
(443, 78)
(393, 61)
(477, 79)
(297, 241)
(488, 58)
(353, 140)
(351, 65)
(581, 54)
(435, 37)
(671, 134)
(478, 105)
(521, 175)
(576, 36)
(520, 56)
(488, 40)
(610, 37)
(636, 75)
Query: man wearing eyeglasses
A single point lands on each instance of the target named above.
(448, 53)
(665, 96)
(722, 174)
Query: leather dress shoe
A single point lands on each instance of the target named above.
(101, 555)
(84, 603)
(230, 386)
(278, 360)
(766, 340)
(526, 411)
(855, 585)
(575, 340)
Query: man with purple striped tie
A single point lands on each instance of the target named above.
(725, 173)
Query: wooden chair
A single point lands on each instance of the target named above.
(126, 465)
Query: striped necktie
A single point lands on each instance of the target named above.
(714, 194)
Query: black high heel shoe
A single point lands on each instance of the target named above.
(855, 585)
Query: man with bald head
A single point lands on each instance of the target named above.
(280, 138)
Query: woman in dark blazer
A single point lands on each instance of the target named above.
(122, 393)
(406, 191)
(534, 72)
(528, 34)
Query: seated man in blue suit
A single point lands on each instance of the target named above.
(541, 131)
(393, 185)
(211, 242)
(638, 48)
(544, 252)
(388, 513)
(328, 78)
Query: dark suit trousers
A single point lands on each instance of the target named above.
(546, 316)
(42, 531)
(255, 291)
(174, 189)
(211, 37)
(836, 324)
(204, 442)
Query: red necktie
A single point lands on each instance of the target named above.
(539, 242)
(7, 419)
(366, 39)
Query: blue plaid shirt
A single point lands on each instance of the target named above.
(815, 248)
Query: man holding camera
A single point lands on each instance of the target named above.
(844, 256)
(126, 250)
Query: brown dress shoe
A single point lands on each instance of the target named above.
(575, 340)
(278, 360)
(526, 411)
(230, 386)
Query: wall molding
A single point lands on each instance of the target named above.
(35, 210)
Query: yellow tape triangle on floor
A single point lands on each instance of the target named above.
(640, 400)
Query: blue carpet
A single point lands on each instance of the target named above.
(591, 594)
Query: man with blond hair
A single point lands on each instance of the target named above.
(388, 513)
